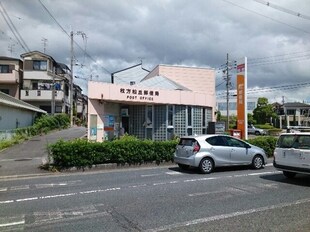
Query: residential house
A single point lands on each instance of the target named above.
(80, 103)
(41, 74)
(294, 114)
(10, 76)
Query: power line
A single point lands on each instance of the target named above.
(13, 29)
(286, 54)
(280, 8)
(271, 89)
(59, 25)
(265, 16)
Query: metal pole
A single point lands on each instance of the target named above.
(227, 91)
(53, 92)
(71, 80)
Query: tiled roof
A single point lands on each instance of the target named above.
(296, 104)
(13, 102)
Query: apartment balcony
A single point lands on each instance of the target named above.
(9, 78)
(42, 95)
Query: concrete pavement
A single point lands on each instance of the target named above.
(24, 159)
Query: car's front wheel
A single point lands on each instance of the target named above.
(289, 174)
(206, 165)
(258, 162)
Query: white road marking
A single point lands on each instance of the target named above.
(174, 173)
(22, 187)
(137, 186)
(262, 173)
(118, 188)
(6, 202)
(3, 189)
(174, 182)
(229, 215)
(268, 165)
(148, 175)
(58, 195)
(27, 199)
(161, 183)
(13, 223)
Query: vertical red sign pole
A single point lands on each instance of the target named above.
(242, 116)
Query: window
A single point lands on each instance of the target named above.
(40, 65)
(216, 141)
(35, 85)
(149, 116)
(290, 112)
(4, 69)
(170, 115)
(235, 143)
(189, 116)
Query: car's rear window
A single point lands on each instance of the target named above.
(187, 141)
(294, 141)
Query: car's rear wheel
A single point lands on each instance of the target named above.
(206, 165)
(289, 174)
(258, 162)
(257, 133)
(183, 166)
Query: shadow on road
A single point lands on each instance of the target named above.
(300, 180)
(193, 170)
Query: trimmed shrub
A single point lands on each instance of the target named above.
(268, 143)
(81, 153)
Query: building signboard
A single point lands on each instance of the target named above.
(242, 118)
(139, 94)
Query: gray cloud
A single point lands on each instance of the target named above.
(195, 33)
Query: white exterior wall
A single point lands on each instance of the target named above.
(9, 116)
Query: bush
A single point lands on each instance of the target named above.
(81, 153)
(268, 143)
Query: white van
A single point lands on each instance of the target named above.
(292, 154)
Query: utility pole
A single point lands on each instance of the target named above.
(228, 85)
(53, 92)
(71, 80)
(11, 48)
(44, 40)
(71, 76)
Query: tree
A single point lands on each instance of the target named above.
(263, 111)
(251, 120)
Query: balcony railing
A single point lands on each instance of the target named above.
(42, 95)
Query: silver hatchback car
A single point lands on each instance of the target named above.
(209, 151)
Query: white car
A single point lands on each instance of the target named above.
(292, 154)
(209, 151)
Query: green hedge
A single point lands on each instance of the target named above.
(81, 153)
(268, 143)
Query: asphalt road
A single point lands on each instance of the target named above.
(25, 158)
(157, 199)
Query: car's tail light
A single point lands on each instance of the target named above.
(196, 147)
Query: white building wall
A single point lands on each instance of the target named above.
(10, 118)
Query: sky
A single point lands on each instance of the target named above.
(117, 34)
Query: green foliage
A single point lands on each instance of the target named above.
(81, 153)
(251, 120)
(266, 126)
(267, 143)
(264, 111)
(42, 124)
